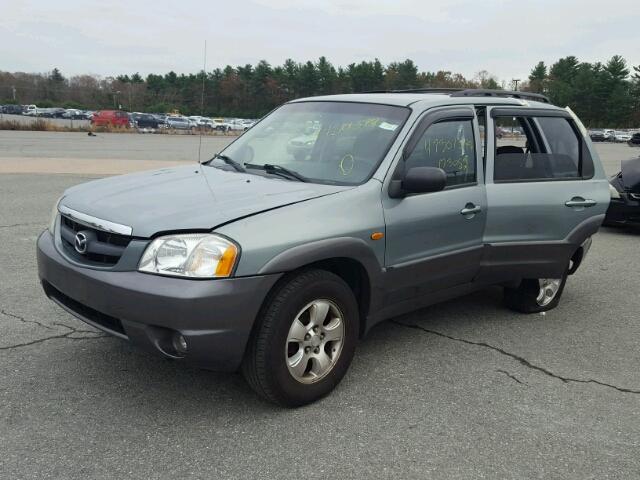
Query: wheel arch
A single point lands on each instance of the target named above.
(349, 258)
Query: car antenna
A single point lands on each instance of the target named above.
(204, 77)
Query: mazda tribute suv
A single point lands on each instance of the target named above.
(275, 260)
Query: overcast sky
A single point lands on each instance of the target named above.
(505, 37)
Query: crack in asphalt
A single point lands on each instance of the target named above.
(20, 225)
(67, 335)
(24, 320)
(511, 376)
(523, 361)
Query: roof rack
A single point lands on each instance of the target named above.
(420, 90)
(473, 92)
(481, 92)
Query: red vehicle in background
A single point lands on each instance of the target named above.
(110, 118)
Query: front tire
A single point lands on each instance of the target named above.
(304, 341)
(535, 295)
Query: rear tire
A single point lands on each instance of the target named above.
(535, 295)
(296, 354)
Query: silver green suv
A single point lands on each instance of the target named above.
(276, 260)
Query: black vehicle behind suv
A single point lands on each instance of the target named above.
(144, 120)
(635, 140)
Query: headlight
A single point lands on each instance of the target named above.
(614, 192)
(54, 216)
(195, 255)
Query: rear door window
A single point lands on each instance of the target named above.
(539, 149)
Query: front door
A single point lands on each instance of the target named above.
(434, 240)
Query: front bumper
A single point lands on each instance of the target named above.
(214, 316)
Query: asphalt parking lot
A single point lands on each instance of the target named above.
(465, 389)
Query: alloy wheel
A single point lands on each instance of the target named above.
(548, 290)
(315, 340)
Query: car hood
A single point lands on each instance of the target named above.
(630, 175)
(186, 198)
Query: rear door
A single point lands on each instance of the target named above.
(434, 240)
(544, 197)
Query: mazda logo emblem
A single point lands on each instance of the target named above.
(80, 243)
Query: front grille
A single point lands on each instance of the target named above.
(86, 313)
(103, 248)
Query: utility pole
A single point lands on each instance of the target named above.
(13, 90)
(514, 82)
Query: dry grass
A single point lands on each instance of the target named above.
(38, 125)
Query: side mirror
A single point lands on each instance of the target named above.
(419, 180)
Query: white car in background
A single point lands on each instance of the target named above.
(203, 122)
(32, 111)
(238, 125)
(621, 136)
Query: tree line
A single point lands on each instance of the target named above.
(602, 94)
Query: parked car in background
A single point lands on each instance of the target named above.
(237, 125)
(30, 110)
(205, 123)
(178, 123)
(145, 120)
(220, 124)
(624, 208)
(609, 134)
(74, 114)
(13, 109)
(54, 112)
(300, 147)
(110, 118)
(33, 111)
(161, 118)
(634, 141)
(621, 136)
(597, 136)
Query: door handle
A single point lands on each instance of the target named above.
(580, 202)
(470, 209)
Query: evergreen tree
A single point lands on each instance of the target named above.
(538, 77)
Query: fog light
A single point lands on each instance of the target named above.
(179, 343)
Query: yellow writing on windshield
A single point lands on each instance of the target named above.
(340, 128)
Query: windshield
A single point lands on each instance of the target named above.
(325, 142)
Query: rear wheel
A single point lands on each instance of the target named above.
(305, 339)
(535, 294)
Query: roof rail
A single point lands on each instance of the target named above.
(419, 90)
(481, 92)
(472, 92)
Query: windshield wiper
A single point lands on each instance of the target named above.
(279, 170)
(229, 161)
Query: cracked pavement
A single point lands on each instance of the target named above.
(465, 389)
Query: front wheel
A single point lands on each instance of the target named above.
(535, 294)
(304, 341)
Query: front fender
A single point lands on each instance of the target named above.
(333, 248)
(312, 252)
